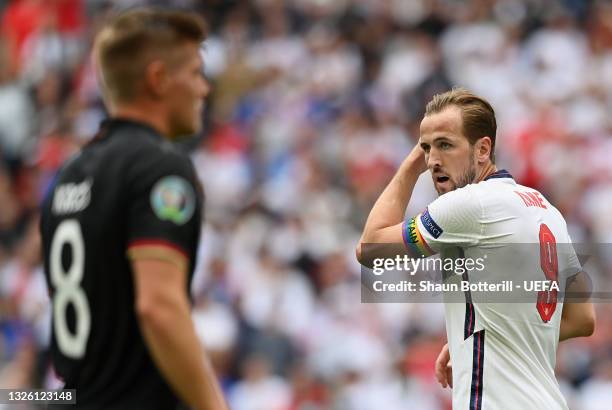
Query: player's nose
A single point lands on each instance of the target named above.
(433, 159)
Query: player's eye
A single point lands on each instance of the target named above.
(445, 145)
(425, 147)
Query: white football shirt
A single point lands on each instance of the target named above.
(503, 351)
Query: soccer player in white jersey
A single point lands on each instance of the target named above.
(503, 354)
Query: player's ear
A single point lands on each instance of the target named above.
(483, 149)
(156, 78)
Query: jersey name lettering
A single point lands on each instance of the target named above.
(70, 198)
(531, 199)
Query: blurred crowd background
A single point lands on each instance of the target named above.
(314, 105)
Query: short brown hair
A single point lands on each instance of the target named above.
(132, 39)
(477, 114)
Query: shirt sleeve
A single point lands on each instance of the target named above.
(163, 209)
(571, 265)
(454, 219)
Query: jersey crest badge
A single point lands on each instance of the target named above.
(173, 199)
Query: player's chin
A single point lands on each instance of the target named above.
(196, 127)
(196, 122)
(444, 187)
(190, 128)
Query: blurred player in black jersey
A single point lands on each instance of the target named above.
(121, 223)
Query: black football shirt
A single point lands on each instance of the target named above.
(129, 193)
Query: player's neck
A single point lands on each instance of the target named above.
(147, 116)
(485, 171)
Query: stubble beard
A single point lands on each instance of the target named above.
(467, 177)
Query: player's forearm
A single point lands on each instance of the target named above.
(572, 327)
(172, 341)
(570, 331)
(565, 331)
(390, 207)
(578, 315)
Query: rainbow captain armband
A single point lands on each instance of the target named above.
(413, 239)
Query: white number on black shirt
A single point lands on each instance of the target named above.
(68, 290)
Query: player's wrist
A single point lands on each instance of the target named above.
(415, 161)
(411, 168)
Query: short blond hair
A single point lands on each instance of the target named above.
(131, 40)
(477, 114)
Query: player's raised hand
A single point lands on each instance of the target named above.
(416, 158)
(444, 368)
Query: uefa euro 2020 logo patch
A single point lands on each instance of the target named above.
(173, 199)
